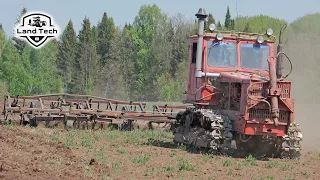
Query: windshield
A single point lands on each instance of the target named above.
(222, 54)
(255, 56)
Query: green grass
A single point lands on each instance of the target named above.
(121, 151)
(173, 152)
(88, 139)
(116, 165)
(227, 162)
(250, 161)
(306, 174)
(285, 167)
(185, 165)
(272, 164)
(143, 159)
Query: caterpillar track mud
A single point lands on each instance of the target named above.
(240, 100)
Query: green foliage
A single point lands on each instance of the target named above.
(18, 43)
(147, 32)
(145, 60)
(84, 67)
(105, 33)
(219, 26)
(259, 24)
(3, 41)
(13, 71)
(66, 55)
(167, 87)
(247, 28)
(210, 20)
(44, 73)
(232, 25)
(113, 73)
(227, 21)
(306, 24)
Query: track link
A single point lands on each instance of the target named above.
(204, 128)
(291, 143)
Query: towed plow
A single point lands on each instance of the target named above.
(87, 112)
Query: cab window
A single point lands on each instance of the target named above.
(222, 54)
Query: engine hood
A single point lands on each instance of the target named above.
(243, 77)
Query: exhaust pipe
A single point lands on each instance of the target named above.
(279, 49)
(201, 15)
(275, 72)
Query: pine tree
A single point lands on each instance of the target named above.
(84, 67)
(219, 26)
(66, 54)
(232, 24)
(3, 40)
(128, 64)
(20, 44)
(112, 82)
(227, 22)
(105, 33)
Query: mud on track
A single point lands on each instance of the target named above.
(45, 153)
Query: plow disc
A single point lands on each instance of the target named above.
(87, 112)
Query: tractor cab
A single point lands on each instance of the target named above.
(225, 53)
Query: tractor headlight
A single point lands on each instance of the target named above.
(219, 36)
(260, 39)
(269, 32)
(212, 27)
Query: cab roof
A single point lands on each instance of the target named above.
(239, 36)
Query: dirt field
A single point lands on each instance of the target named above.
(44, 153)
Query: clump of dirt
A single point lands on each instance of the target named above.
(26, 156)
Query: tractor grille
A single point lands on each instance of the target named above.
(265, 114)
(260, 89)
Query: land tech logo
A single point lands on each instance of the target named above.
(36, 28)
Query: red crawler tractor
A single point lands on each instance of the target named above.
(242, 101)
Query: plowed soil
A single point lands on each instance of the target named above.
(45, 153)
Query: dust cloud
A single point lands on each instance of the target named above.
(303, 48)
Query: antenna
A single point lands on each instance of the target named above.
(237, 14)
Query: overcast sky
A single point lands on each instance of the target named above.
(125, 11)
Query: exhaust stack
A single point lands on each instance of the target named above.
(201, 15)
(279, 49)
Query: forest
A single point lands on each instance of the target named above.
(145, 60)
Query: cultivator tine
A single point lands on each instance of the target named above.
(83, 111)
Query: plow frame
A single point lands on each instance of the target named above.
(85, 108)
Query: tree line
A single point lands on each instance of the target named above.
(144, 60)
